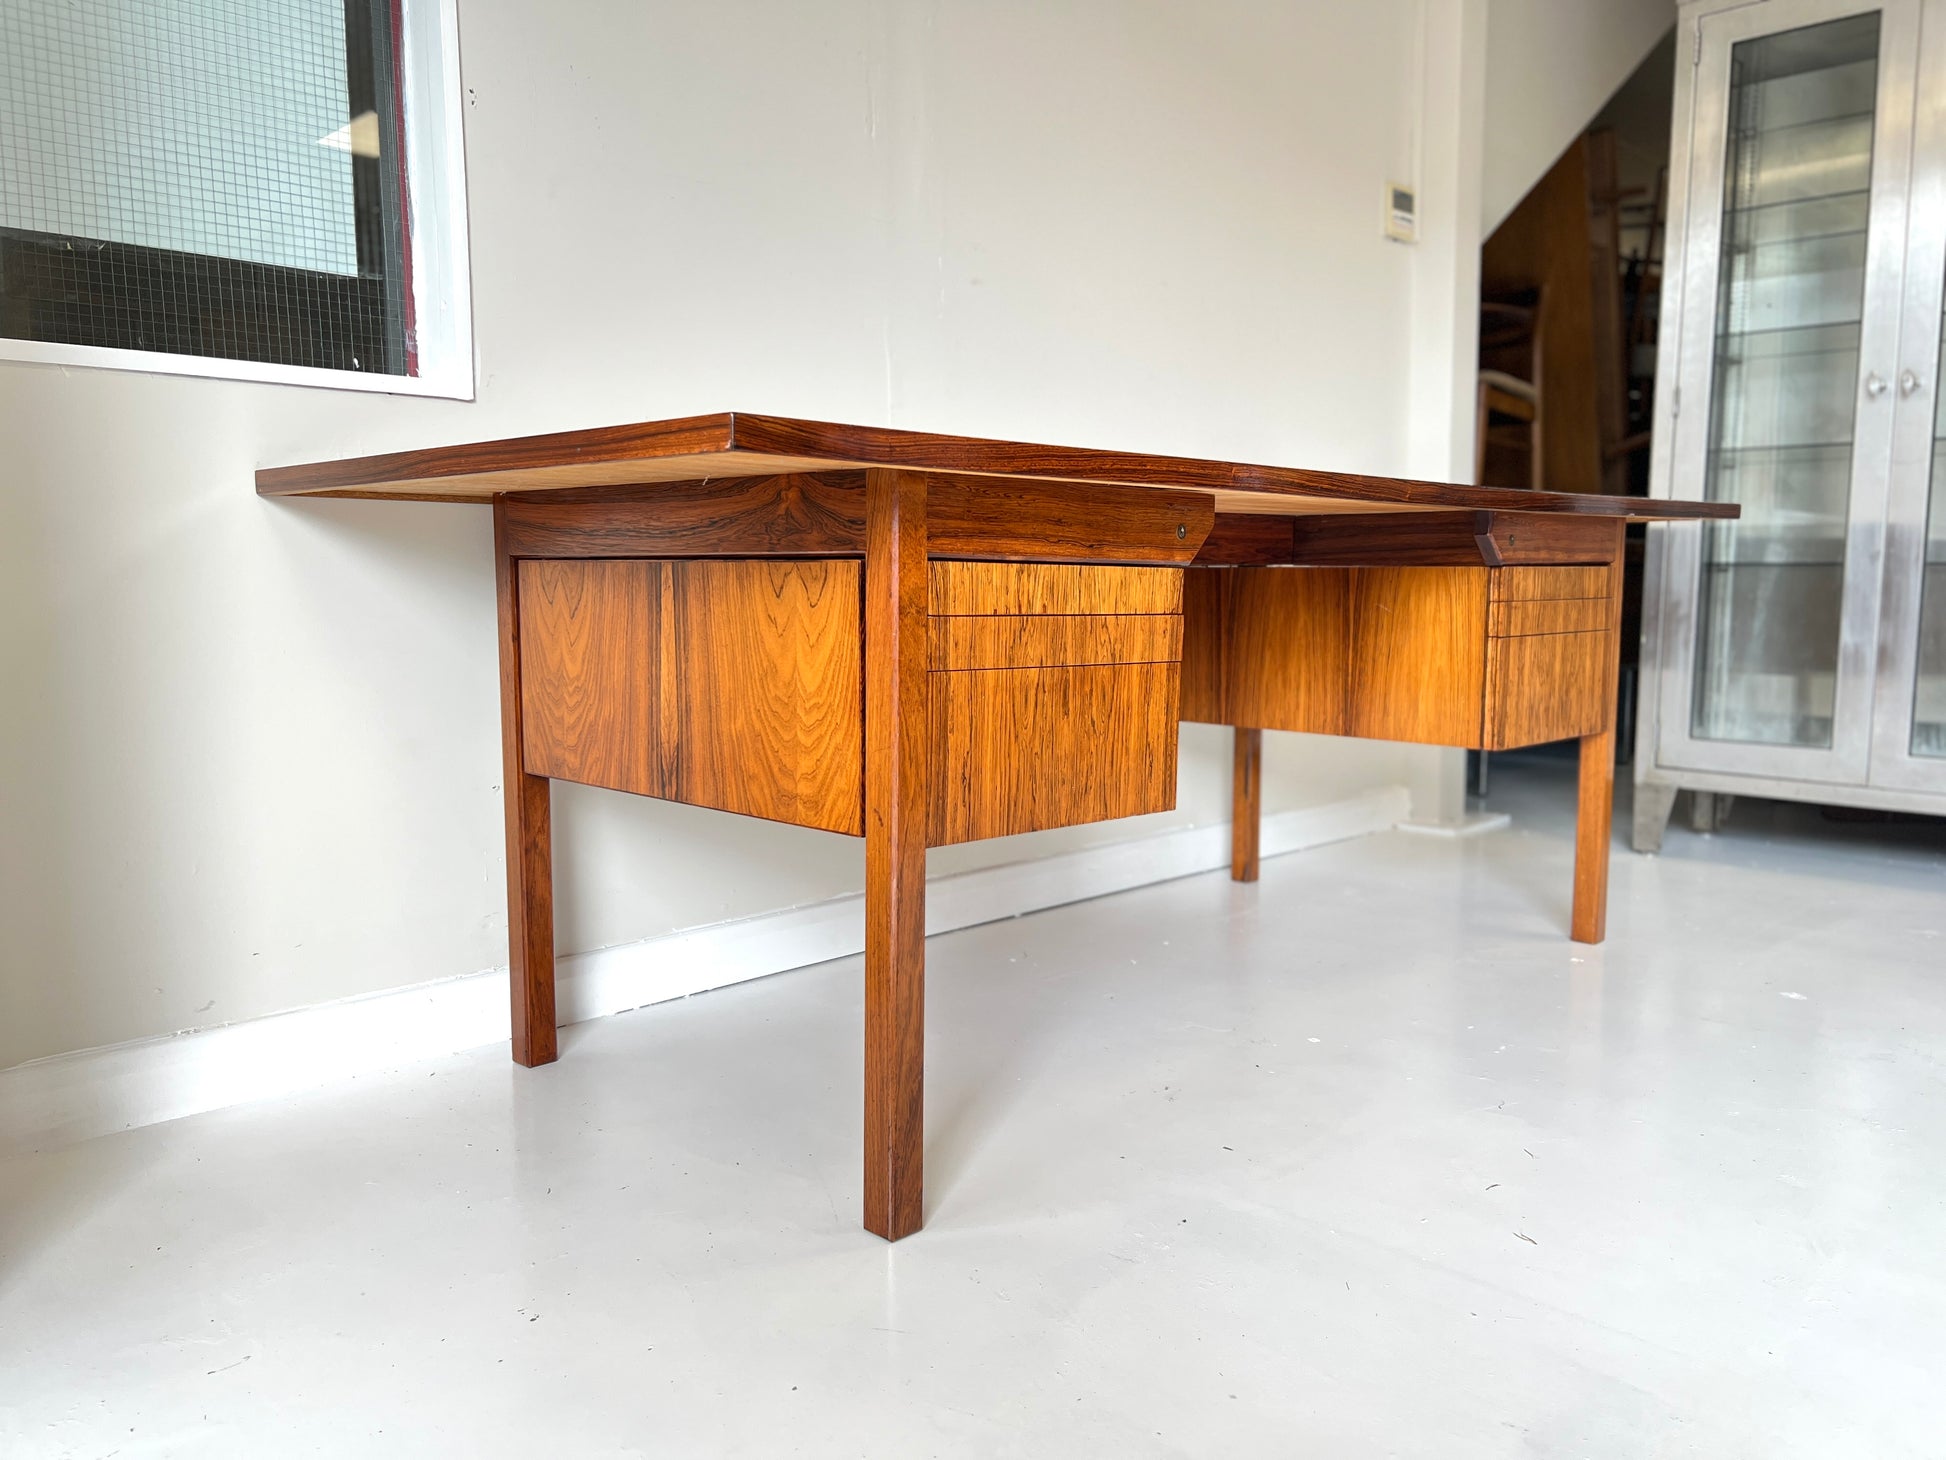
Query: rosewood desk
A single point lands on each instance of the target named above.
(924, 639)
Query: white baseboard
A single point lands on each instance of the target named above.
(72, 1097)
(1474, 823)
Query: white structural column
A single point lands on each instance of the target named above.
(1448, 139)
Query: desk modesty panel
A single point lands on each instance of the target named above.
(922, 639)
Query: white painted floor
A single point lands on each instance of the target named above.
(1364, 1160)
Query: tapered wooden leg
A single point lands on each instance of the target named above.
(897, 738)
(530, 842)
(1246, 804)
(1595, 808)
(1593, 817)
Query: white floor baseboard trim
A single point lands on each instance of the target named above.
(1474, 823)
(72, 1097)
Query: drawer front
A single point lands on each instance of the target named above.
(1019, 641)
(1417, 654)
(1381, 653)
(1053, 696)
(1511, 618)
(1549, 675)
(1268, 648)
(1525, 584)
(1543, 687)
(1027, 749)
(729, 683)
(1056, 588)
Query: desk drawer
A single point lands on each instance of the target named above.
(1507, 585)
(1053, 697)
(1485, 658)
(1542, 687)
(1547, 673)
(1020, 641)
(962, 589)
(738, 684)
(1510, 619)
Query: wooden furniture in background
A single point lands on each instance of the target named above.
(927, 639)
(1508, 329)
(1562, 243)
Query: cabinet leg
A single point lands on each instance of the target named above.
(1246, 804)
(1709, 811)
(1653, 803)
(896, 756)
(530, 839)
(1594, 817)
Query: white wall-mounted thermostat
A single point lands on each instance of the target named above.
(1401, 213)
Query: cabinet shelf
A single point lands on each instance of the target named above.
(1732, 454)
(1745, 250)
(1846, 333)
(1745, 210)
(1753, 565)
(1833, 122)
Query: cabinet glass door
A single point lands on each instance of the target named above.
(1928, 737)
(1926, 688)
(1790, 306)
(1909, 741)
(1789, 327)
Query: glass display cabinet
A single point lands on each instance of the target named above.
(1800, 651)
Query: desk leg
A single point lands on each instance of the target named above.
(1246, 804)
(1595, 811)
(530, 839)
(897, 749)
(1592, 829)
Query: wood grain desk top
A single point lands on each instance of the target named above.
(733, 444)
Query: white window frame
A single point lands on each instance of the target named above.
(435, 172)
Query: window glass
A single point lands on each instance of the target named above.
(220, 178)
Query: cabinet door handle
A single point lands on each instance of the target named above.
(1909, 382)
(1875, 385)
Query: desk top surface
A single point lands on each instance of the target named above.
(733, 444)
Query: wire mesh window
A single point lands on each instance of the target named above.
(219, 178)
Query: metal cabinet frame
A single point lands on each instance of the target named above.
(1869, 762)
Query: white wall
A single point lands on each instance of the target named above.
(1551, 65)
(248, 750)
